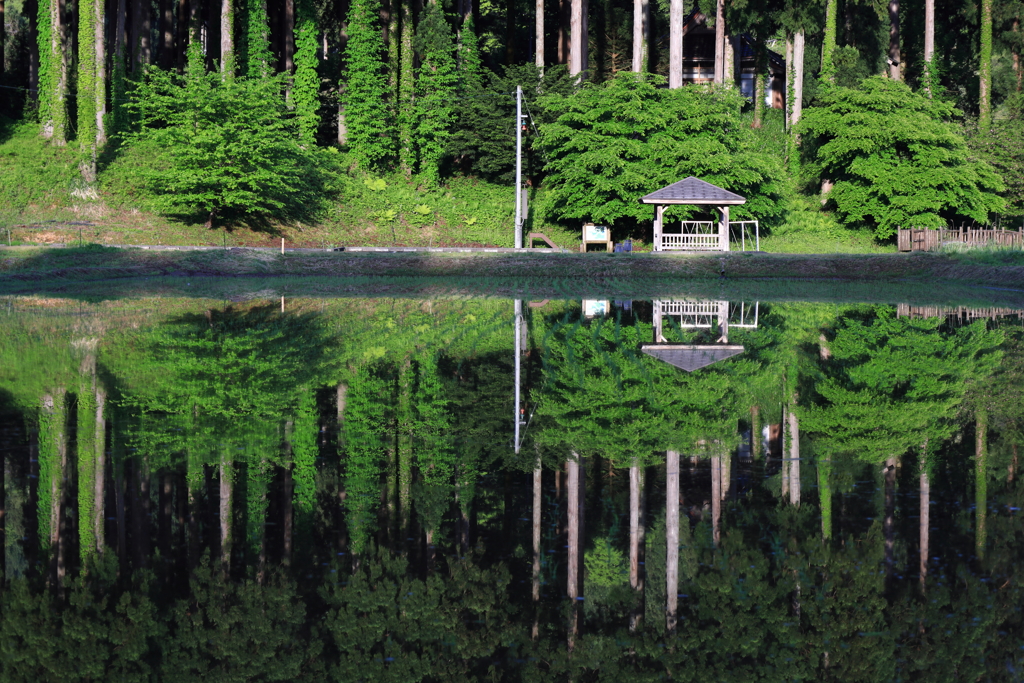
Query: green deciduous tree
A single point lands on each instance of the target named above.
(229, 148)
(895, 159)
(612, 144)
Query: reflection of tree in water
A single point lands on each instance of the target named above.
(774, 600)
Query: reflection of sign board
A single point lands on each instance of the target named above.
(595, 233)
(595, 307)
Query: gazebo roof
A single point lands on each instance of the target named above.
(693, 191)
(691, 357)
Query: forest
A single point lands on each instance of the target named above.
(333, 490)
(373, 121)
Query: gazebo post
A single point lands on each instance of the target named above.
(723, 229)
(659, 211)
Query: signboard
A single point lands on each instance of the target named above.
(595, 307)
(595, 233)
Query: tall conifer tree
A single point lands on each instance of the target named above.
(53, 73)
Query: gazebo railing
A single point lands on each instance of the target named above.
(703, 236)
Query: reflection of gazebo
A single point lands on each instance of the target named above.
(697, 314)
(697, 192)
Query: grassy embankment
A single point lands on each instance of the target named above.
(44, 201)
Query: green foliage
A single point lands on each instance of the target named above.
(1001, 148)
(612, 144)
(32, 173)
(388, 626)
(364, 96)
(894, 160)
(229, 147)
(230, 631)
(606, 565)
(436, 81)
(483, 142)
(101, 633)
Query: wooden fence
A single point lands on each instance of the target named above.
(962, 313)
(926, 239)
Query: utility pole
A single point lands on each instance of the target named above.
(519, 167)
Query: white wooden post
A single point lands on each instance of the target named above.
(658, 213)
(723, 229)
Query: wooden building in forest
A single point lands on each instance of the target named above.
(699, 61)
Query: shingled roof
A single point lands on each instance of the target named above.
(693, 191)
(691, 357)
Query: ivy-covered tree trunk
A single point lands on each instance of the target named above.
(257, 483)
(258, 56)
(436, 91)
(895, 70)
(828, 43)
(364, 97)
(985, 69)
(53, 72)
(92, 83)
(306, 90)
(406, 93)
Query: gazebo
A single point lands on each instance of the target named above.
(697, 192)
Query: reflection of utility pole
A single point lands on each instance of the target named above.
(520, 332)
